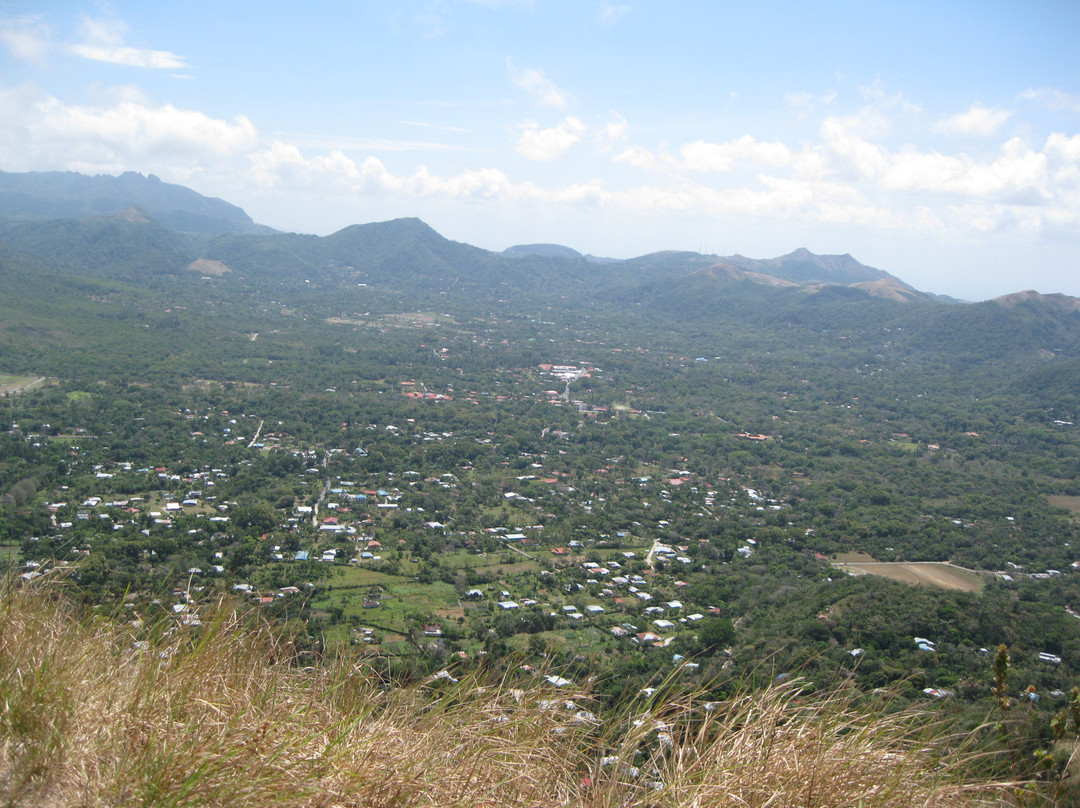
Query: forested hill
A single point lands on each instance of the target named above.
(67, 194)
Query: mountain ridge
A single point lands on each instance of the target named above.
(39, 195)
(187, 226)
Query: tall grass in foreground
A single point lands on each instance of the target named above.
(94, 711)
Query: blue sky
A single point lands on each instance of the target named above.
(938, 141)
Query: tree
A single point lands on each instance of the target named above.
(715, 634)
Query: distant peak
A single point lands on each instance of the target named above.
(1057, 300)
(544, 250)
(404, 225)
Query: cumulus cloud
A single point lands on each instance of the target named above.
(704, 157)
(848, 141)
(103, 41)
(978, 120)
(638, 157)
(39, 131)
(1017, 175)
(1064, 148)
(540, 87)
(282, 166)
(548, 144)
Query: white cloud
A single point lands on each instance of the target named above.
(1063, 148)
(103, 41)
(1018, 174)
(702, 156)
(978, 120)
(548, 144)
(638, 157)
(614, 131)
(282, 166)
(847, 137)
(38, 132)
(26, 38)
(539, 86)
(1053, 99)
(131, 57)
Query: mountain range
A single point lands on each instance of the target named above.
(42, 195)
(148, 234)
(44, 213)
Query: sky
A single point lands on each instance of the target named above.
(939, 141)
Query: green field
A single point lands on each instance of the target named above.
(1071, 504)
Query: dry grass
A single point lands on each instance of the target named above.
(98, 713)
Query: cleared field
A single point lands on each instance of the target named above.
(931, 573)
(16, 384)
(1071, 504)
(349, 577)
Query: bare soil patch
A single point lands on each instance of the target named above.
(17, 384)
(207, 266)
(932, 573)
